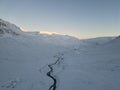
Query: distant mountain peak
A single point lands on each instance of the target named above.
(118, 36)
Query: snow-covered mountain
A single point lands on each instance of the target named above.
(8, 28)
(33, 61)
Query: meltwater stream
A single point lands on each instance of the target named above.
(50, 73)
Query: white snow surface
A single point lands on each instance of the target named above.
(92, 64)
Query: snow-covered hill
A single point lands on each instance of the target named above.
(8, 28)
(33, 61)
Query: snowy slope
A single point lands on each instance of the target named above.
(24, 58)
(28, 61)
(8, 28)
(95, 69)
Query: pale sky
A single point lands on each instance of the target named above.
(80, 18)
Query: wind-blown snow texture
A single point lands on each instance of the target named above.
(92, 64)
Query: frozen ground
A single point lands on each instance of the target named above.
(32, 61)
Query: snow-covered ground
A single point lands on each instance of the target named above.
(28, 61)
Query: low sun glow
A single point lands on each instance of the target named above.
(47, 32)
(24, 30)
(41, 32)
